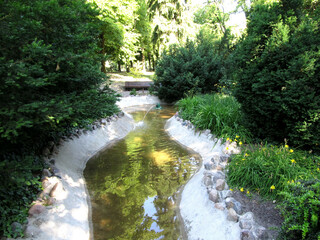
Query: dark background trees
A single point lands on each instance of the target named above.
(49, 84)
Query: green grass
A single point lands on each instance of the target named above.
(219, 112)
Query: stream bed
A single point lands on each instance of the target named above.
(134, 183)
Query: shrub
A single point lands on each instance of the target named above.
(18, 189)
(268, 169)
(218, 112)
(133, 92)
(277, 73)
(301, 210)
(184, 69)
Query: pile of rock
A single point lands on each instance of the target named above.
(218, 190)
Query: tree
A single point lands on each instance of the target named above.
(143, 27)
(50, 78)
(276, 72)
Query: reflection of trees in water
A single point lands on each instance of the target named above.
(128, 174)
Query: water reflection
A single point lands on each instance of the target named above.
(133, 184)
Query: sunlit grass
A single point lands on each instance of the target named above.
(218, 112)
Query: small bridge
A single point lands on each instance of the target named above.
(137, 85)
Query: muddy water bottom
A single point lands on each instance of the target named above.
(133, 184)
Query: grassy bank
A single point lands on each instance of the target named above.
(275, 172)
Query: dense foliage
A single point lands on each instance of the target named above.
(50, 83)
(219, 113)
(276, 72)
(191, 69)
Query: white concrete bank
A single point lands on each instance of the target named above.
(202, 219)
(68, 218)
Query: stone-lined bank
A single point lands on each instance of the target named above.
(62, 211)
(207, 205)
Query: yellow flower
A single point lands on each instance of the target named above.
(291, 151)
(318, 169)
(292, 181)
(231, 189)
(241, 189)
(293, 161)
(246, 155)
(228, 139)
(240, 143)
(272, 187)
(227, 148)
(237, 136)
(288, 181)
(243, 159)
(286, 146)
(248, 192)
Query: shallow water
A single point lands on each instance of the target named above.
(133, 184)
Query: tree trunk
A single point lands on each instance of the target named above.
(103, 52)
(149, 60)
(143, 61)
(119, 66)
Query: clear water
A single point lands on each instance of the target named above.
(133, 184)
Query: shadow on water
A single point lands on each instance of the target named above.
(133, 184)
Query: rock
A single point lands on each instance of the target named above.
(224, 158)
(215, 159)
(52, 161)
(54, 170)
(246, 221)
(46, 173)
(31, 231)
(219, 168)
(207, 180)
(54, 149)
(220, 184)
(214, 196)
(234, 204)
(103, 121)
(45, 183)
(46, 152)
(36, 210)
(16, 227)
(207, 132)
(218, 175)
(260, 233)
(50, 201)
(56, 190)
(219, 206)
(226, 194)
(208, 165)
(232, 215)
(246, 235)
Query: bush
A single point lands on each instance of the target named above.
(18, 189)
(277, 73)
(188, 69)
(301, 210)
(218, 112)
(268, 170)
(49, 84)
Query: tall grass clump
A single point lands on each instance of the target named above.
(269, 170)
(218, 112)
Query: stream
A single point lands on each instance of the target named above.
(134, 184)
